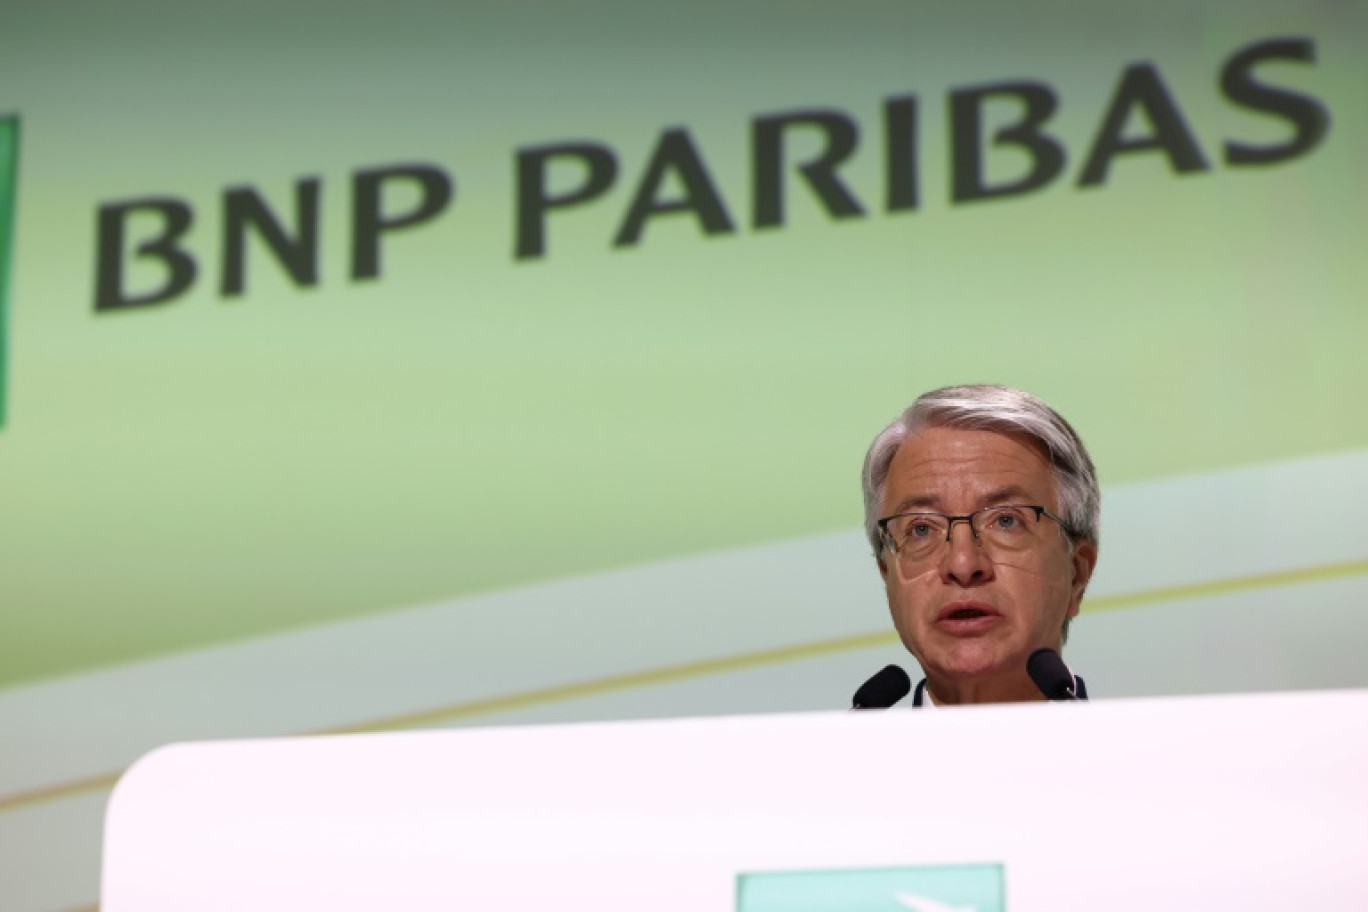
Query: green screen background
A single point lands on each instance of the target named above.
(209, 469)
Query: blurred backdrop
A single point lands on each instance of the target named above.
(381, 366)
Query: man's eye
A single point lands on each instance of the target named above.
(1008, 521)
(920, 530)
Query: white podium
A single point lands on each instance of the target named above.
(1223, 803)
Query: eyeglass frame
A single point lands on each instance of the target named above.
(968, 518)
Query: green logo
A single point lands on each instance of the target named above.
(9, 170)
(933, 888)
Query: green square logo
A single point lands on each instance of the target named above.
(9, 170)
(932, 888)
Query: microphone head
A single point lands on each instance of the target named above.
(883, 690)
(1051, 675)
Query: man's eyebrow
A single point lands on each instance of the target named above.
(931, 502)
(1004, 495)
(913, 504)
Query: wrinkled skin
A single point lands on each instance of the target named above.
(1018, 601)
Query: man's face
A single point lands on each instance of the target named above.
(969, 614)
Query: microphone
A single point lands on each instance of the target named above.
(1051, 675)
(883, 690)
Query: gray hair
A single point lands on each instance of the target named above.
(992, 408)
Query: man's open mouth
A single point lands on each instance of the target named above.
(965, 614)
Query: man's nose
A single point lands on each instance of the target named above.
(965, 562)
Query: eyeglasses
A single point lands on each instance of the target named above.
(916, 537)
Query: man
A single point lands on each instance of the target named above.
(982, 506)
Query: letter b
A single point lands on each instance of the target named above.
(966, 136)
(176, 216)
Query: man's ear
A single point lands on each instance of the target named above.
(883, 568)
(1084, 561)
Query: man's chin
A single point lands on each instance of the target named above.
(974, 659)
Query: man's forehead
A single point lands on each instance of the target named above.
(964, 468)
